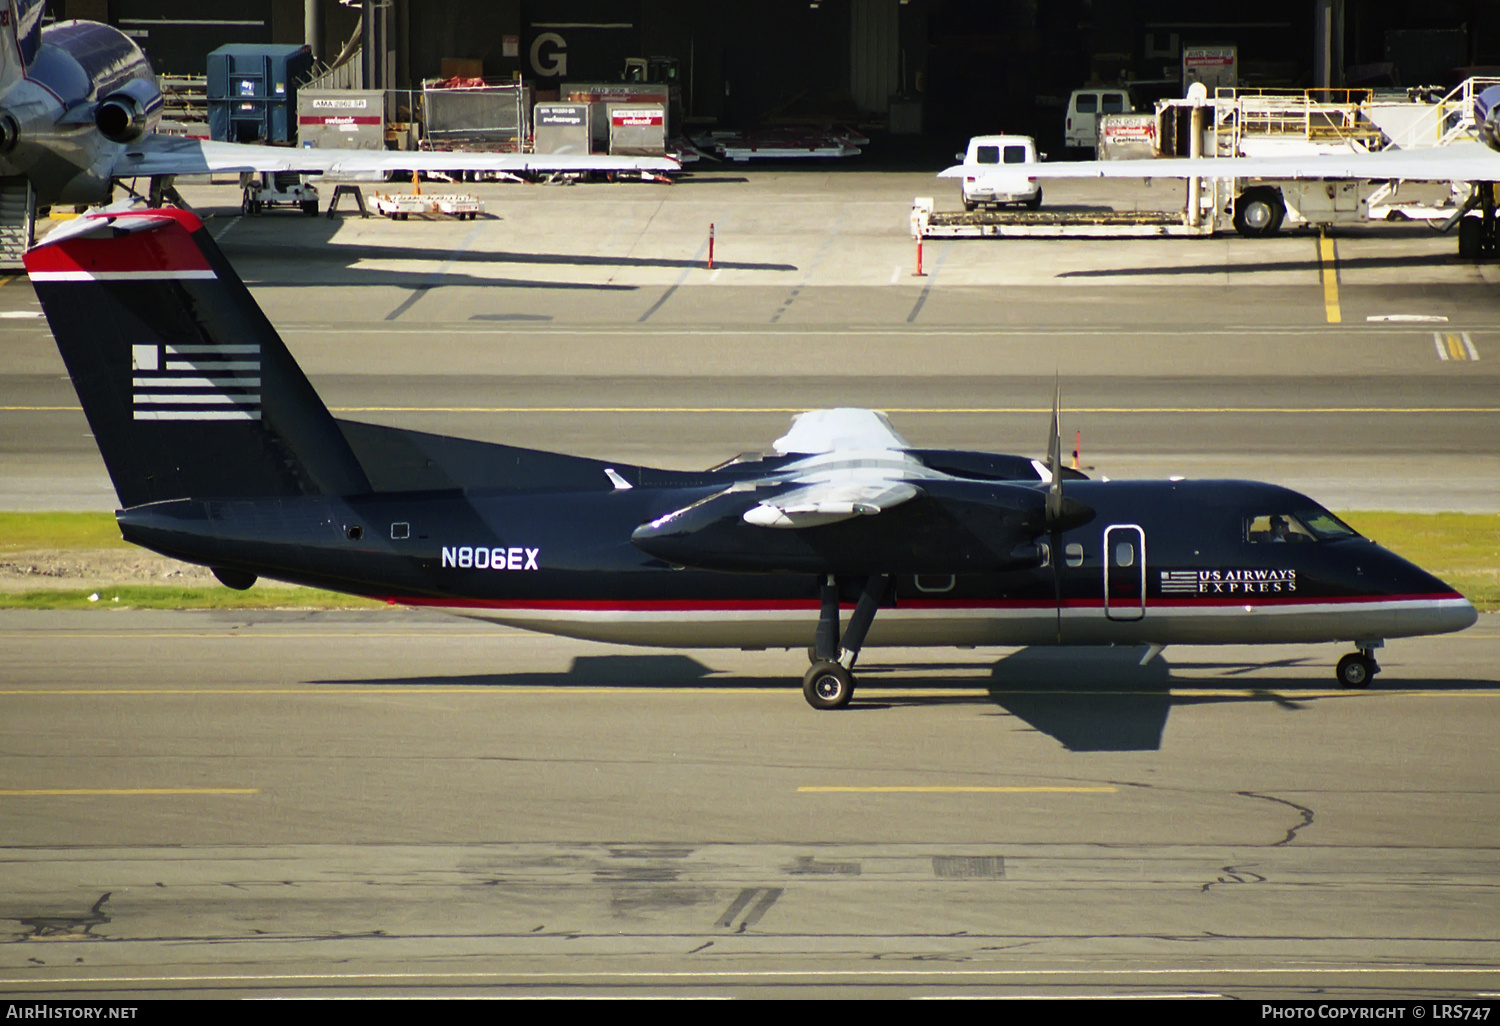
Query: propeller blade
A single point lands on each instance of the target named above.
(1054, 501)
(1054, 459)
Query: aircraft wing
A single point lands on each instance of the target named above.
(856, 500)
(1459, 162)
(822, 431)
(156, 155)
(828, 502)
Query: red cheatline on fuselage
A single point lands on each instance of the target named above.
(798, 605)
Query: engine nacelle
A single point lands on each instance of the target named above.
(1487, 110)
(130, 112)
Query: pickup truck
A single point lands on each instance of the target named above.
(995, 171)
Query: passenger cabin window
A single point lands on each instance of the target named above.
(987, 155)
(400, 530)
(1073, 554)
(1114, 103)
(1015, 154)
(1088, 103)
(1302, 526)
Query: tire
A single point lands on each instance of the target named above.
(1259, 212)
(828, 686)
(1356, 670)
(969, 205)
(310, 208)
(255, 207)
(1035, 203)
(1470, 238)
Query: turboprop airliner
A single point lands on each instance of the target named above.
(842, 535)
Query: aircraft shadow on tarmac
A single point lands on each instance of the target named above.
(1087, 699)
(264, 263)
(1310, 264)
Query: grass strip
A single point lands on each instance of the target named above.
(1461, 548)
(154, 596)
(22, 532)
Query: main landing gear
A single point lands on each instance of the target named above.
(1357, 669)
(829, 683)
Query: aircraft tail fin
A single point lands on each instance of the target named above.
(188, 389)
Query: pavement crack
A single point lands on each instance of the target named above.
(1291, 834)
(1234, 875)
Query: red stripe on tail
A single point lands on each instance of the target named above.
(158, 241)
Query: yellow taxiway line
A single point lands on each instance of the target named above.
(871, 691)
(1328, 256)
(114, 792)
(955, 789)
(903, 410)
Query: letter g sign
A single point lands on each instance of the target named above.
(555, 62)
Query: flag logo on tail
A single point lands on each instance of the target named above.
(195, 382)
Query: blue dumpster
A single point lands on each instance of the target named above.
(252, 91)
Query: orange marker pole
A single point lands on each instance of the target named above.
(710, 246)
(920, 273)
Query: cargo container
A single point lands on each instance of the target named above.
(252, 91)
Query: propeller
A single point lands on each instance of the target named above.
(1060, 512)
(1054, 505)
(1054, 461)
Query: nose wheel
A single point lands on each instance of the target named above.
(827, 686)
(1357, 669)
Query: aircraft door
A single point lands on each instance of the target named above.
(1124, 572)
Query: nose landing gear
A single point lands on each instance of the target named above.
(1357, 669)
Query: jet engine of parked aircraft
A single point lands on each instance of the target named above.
(223, 455)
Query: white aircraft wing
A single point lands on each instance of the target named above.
(1459, 162)
(846, 428)
(155, 155)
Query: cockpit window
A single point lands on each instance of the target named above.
(1307, 525)
(1324, 525)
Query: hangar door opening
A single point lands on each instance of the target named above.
(874, 53)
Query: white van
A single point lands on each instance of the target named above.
(995, 171)
(1081, 130)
